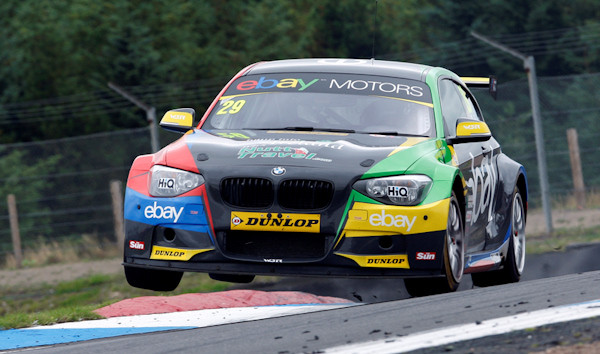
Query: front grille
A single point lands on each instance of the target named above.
(304, 194)
(278, 245)
(247, 192)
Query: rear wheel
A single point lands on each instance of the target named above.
(515, 258)
(454, 258)
(153, 279)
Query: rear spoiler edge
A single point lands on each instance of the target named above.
(483, 82)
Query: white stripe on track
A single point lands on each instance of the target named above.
(198, 318)
(459, 333)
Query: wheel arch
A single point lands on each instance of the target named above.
(459, 190)
(522, 184)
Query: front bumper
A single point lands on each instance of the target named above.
(372, 240)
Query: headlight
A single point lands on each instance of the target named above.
(398, 190)
(171, 182)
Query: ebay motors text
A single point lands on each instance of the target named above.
(350, 85)
(391, 220)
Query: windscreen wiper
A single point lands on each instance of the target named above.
(310, 129)
(395, 133)
(307, 129)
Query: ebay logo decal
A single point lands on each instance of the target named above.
(264, 83)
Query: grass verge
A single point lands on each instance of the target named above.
(561, 238)
(76, 300)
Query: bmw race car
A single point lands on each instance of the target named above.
(330, 167)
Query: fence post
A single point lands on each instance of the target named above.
(14, 229)
(578, 184)
(117, 206)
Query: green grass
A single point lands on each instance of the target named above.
(76, 300)
(562, 238)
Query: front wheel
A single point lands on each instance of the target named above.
(515, 258)
(153, 279)
(454, 258)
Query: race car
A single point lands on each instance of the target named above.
(330, 167)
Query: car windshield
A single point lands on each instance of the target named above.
(348, 103)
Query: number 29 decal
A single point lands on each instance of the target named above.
(231, 107)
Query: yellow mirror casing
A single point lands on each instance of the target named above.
(179, 120)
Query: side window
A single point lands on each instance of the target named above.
(452, 106)
(471, 108)
(456, 104)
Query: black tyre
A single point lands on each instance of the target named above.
(515, 259)
(454, 258)
(232, 278)
(153, 279)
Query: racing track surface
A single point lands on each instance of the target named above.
(383, 320)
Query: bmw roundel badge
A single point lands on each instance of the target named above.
(278, 171)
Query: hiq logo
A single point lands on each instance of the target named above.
(166, 183)
(264, 83)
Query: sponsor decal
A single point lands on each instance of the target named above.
(275, 222)
(482, 184)
(136, 245)
(166, 183)
(367, 219)
(234, 136)
(318, 143)
(342, 61)
(378, 86)
(404, 89)
(397, 191)
(167, 213)
(273, 260)
(385, 261)
(252, 152)
(392, 220)
(379, 261)
(266, 83)
(358, 215)
(425, 256)
(469, 128)
(177, 116)
(168, 253)
(178, 254)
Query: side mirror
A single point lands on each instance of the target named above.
(179, 120)
(468, 131)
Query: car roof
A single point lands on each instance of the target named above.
(346, 66)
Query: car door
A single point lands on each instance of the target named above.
(476, 161)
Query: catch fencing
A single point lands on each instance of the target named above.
(62, 187)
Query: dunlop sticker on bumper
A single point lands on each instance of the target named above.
(174, 254)
(378, 261)
(275, 222)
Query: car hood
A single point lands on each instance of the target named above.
(339, 152)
